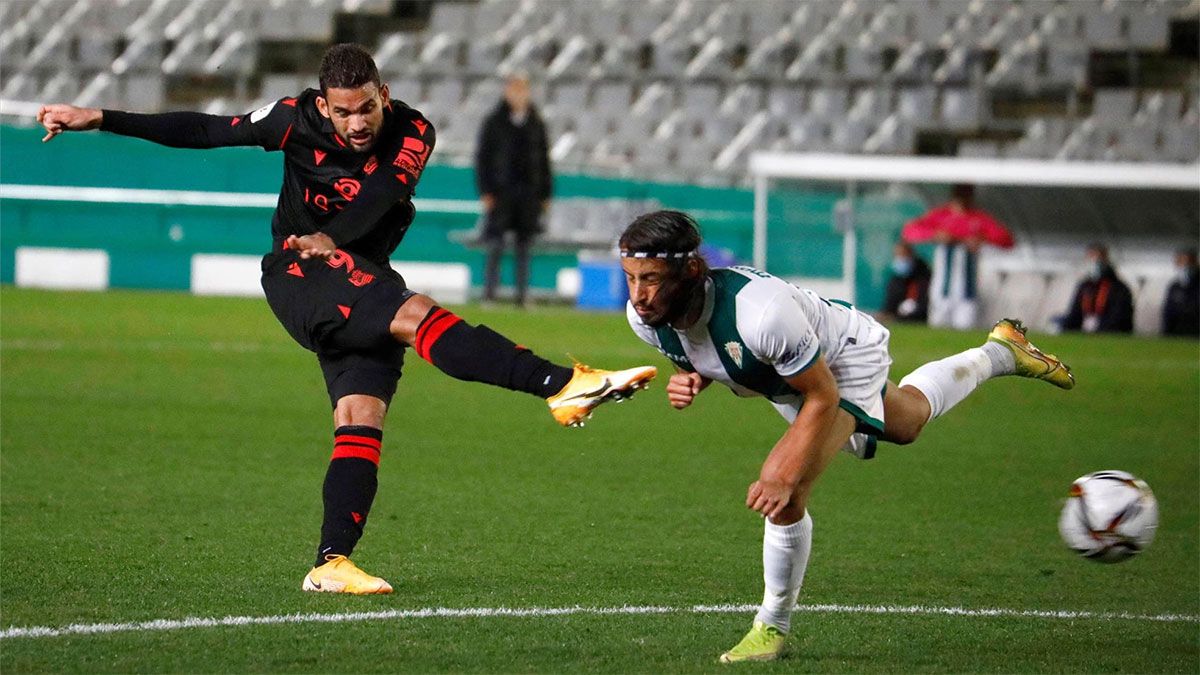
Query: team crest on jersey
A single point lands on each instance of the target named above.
(734, 350)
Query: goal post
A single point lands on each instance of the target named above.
(828, 221)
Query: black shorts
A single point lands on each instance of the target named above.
(341, 309)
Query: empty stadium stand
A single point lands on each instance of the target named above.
(669, 88)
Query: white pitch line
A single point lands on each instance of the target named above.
(485, 612)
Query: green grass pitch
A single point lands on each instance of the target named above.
(162, 457)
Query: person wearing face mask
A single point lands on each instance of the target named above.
(1102, 302)
(1181, 308)
(512, 172)
(907, 295)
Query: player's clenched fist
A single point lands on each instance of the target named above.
(59, 117)
(683, 387)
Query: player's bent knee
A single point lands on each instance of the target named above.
(908, 433)
(359, 410)
(907, 414)
(408, 318)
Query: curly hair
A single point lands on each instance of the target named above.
(347, 66)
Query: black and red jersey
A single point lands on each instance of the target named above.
(362, 200)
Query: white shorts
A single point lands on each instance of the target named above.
(861, 372)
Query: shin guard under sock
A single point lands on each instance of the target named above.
(350, 484)
(480, 354)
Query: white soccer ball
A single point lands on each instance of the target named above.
(1109, 516)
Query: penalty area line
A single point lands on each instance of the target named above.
(518, 612)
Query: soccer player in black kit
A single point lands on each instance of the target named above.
(352, 157)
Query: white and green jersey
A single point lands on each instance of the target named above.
(756, 330)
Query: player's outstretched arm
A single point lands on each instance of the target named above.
(266, 127)
(60, 117)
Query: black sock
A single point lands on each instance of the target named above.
(480, 354)
(350, 485)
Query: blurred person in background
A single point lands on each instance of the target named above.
(512, 172)
(907, 295)
(960, 229)
(1181, 307)
(1102, 302)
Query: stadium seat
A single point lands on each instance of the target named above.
(766, 19)
(812, 65)
(894, 136)
(396, 55)
(785, 101)
(699, 100)
(140, 92)
(277, 86)
(863, 59)
(1113, 107)
(916, 104)
(1066, 64)
(817, 61)
(980, 148)
(963, 108)
(1160, 107)
(741, 99)
(570, 96)
(573, 60)
(656, 100)
(711, 61)
(956, 69)
(613, 96)
(1104, 27)
(914, 64)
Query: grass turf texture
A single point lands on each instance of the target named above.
(162, 457)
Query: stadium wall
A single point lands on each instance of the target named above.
(123, 213)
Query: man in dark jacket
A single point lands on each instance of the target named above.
(1181, 308)
(512, 171)
(1102, 302)
(907, 295)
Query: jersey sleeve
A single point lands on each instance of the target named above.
(785, 338)
(266, 127)
(401, 163)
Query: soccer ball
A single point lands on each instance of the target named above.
(1109, 516)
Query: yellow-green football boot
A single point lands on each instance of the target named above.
(763, 643)
(1031, 361)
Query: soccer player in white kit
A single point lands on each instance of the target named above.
(821, 363)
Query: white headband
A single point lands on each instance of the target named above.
(647, 254)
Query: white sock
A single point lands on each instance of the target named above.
(947, 382)
(785, 557)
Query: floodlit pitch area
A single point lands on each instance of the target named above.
(161, 467)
